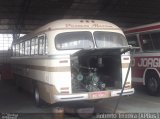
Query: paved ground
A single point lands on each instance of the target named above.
(13, 101)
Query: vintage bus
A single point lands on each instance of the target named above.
(72, 60)
(146, 60)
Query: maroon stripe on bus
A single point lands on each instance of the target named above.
(143, 29)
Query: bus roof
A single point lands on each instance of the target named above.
(143, 28)
(78, 24)
(73, 24)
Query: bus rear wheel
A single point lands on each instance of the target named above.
(153, 84)
(38, 101)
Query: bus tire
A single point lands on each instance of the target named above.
(37, 99)
(152, 83)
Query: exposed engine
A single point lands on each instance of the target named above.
(87, 78)
(94, 72)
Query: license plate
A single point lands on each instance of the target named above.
(96, 95)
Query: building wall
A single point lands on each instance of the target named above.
(5, 67)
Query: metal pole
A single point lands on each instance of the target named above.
(124, 83)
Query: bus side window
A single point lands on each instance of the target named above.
(22, 48)
(27, 47)
(46, 45)
(146, 42)
(17, 50)
(132, 40)
(36, 46)
(14, 50)
(156, 40)
(32, 46)
(41, 44)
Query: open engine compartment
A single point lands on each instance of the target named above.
(96, 70)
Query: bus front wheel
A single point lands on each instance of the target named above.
(153, 83)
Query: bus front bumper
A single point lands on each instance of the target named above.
(92, 95)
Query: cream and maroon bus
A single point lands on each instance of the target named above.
(73, 60)
(146, 60)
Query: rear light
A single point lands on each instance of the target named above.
(126, 58)
(64, 90)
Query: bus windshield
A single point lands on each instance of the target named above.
(74, 40)
(109, 39)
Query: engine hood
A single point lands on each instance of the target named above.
(105, 51)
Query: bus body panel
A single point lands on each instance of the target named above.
(147, 57)
(51, 72)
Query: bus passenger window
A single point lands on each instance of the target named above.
(27, 47)
(41, 45)
(22, 49)
(156, 40)
(17, 50)
(146, 42)
(36, 46)
(32, 46)
(132, 40)
(14, 50)
(46, 45)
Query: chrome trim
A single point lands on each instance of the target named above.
(70, 97)
(125, 92)
(85, 96)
